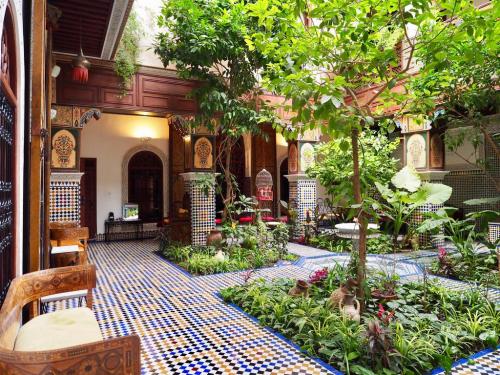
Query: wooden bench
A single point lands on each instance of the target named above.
(66, 341)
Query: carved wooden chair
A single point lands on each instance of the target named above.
(66, 341)
(76, 237)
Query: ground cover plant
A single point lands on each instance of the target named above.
(330, 242)
(424, 327)
(467, 236)
(244, 247)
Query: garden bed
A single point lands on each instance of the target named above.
(244, 248)
(330, 242)
(427, 326)
(476, 268)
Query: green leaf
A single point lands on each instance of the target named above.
(407, 178)
(436, 193)
(481, 201)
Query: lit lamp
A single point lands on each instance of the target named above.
(81, 67)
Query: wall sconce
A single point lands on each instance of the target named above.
(187, 138)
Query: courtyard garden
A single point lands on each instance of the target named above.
(348, 71)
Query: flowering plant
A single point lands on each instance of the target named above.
(384, 315)
(319, 276)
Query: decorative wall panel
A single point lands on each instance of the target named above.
(65, 197)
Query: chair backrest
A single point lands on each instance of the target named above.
(63, 224)
(64, 235)
(35, 285)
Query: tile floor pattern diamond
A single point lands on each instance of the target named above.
(186, 329)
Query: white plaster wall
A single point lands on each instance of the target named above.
(18, 26)
(109, 139)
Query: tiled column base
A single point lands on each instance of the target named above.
(202, 210)
(65, 197)
(302, 197)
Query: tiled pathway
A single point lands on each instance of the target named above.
(186, 329)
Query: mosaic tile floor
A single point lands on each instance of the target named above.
(186, 329)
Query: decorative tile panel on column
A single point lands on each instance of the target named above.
(65, 196)
(303, 194)
(202, 210)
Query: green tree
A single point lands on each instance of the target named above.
(339, 63)
(206, 41)
(334, 165)
(461, 73)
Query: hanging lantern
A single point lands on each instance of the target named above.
(80, 68)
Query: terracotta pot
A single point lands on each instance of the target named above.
(214, 238)
(383, 296)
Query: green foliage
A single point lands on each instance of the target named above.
(334, 166)
(460, 65)
(378, 245)
(249, 247)
(408, 194)
(428, 326)
(206, 41)
(127, 54)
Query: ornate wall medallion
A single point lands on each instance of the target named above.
(65, 149)
(416, 151)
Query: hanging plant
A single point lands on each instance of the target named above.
(126, 61)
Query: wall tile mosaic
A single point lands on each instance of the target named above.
(64, 201)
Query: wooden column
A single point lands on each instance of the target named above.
(38, 111)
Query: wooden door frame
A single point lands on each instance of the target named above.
(82, 164)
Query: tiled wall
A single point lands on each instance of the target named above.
(474, 183)
(64, 201)
(202, 213)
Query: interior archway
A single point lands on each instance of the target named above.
(145, 185)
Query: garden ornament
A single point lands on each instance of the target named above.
(338, 295)
(350, 307)
(301, 288)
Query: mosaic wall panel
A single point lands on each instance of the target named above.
(202, 213)
(306, 200)
(64, 201)
(426, 240)
(494, 232)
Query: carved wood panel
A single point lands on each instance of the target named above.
(146, 93)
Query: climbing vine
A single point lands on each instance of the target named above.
(126, 61)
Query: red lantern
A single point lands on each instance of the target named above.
(80, 68)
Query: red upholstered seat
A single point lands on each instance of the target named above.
(268, 218)
(218, 221)
(245, 219)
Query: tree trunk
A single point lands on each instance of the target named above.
(227, 177)
(356, 182)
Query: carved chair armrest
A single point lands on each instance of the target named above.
(118, 356)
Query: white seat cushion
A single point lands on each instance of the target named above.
(65, 249)
(59, 329)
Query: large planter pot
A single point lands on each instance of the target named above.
(214, 237)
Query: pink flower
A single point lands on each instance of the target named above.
(442, 253)
(318, 276)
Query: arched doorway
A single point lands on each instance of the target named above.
(8, 100)
(145, 185)
(237, 168)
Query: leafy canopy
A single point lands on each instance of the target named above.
(206, 41)
(336, 59)
(334, 166)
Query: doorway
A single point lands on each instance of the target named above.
(88, 195)
(145, 185)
